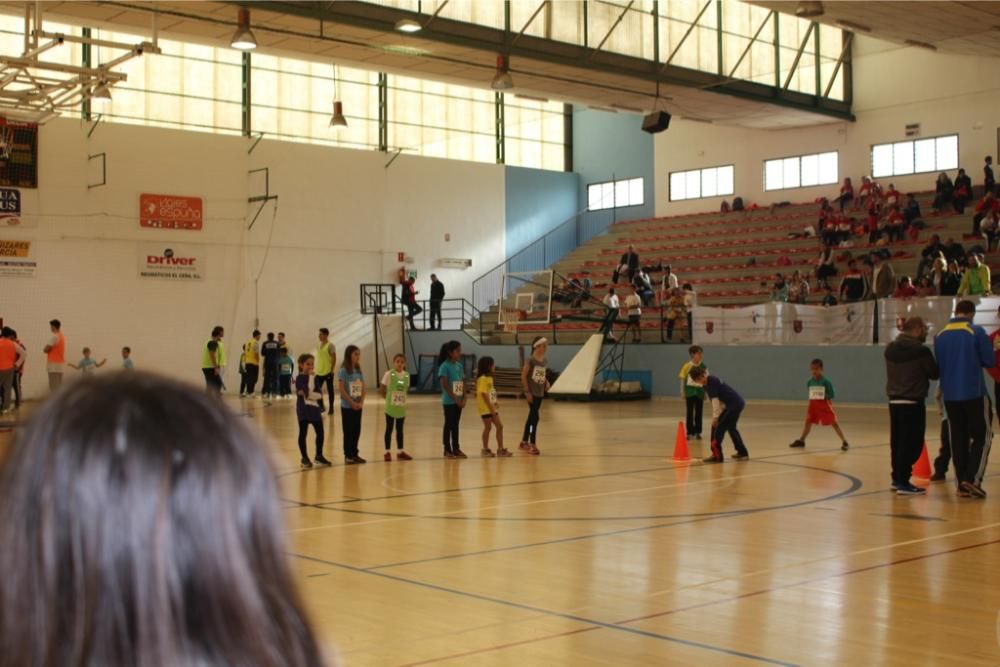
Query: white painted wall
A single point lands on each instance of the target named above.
(339, 221)
(893, 86)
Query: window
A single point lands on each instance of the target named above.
(698, 183)
(802, 171)
(915, 157)
(615, 194)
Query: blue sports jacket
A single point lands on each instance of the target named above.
(963, 350)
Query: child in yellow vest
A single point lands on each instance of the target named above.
(489, 410)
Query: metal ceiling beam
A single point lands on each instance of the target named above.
(690, 29)
(529, 21)
(614, 25)
(840, 61)
(798, 55)
(643, 72)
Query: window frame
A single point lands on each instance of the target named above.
(624, 182)
(912, 142)
(700, 171)
(782, 158)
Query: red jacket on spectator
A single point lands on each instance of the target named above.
(904, 292)
(995, 371)
(895, 218)
(845, 189)
(993, 205)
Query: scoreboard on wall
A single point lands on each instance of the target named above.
(18, 154)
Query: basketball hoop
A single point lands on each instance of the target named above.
(6, 142)
(509, 317)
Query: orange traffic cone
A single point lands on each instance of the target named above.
(922, 468)
(681, 444)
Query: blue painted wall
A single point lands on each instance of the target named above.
(610, 146)
(537, 201)
(759, 373)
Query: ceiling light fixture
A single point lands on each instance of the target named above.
(337, 121)
(408, 25)
(502, 80)
(809, 9)
(533, 98)
(243, 39)
(101, 93)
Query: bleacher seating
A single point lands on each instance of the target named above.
(730, 260)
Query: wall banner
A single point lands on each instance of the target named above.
(170, 212)
(171, 261)
(776, 323)
(16, 259)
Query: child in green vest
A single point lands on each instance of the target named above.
(694, 394)
(285, 367)
(395, 386)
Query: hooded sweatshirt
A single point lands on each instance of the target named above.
(909, 368)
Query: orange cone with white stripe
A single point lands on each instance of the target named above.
(922, 468)
(681, 452)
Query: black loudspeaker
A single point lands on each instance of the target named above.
(655, 122)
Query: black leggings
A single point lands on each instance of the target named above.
(304, 430)
(695, 406)
(319, 381)
(449, 436)
(389, 421)
(213, 381)
(531, 424)
(351, 423)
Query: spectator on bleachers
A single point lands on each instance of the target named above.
(963, 191)
(905, 289)
(954, 252)
(976, 279)
(672, 310)
(991, 230)
(892, 196)
(846, 194)
(853, 286)
(581, 286)
(989, 183)
(725, 208)
(911, 209)
(779, 291)
(950, 280)
(643, 287)
(895, 224)
(864, 193)
(944, 192)
(883, 276)
(988, 206)
(925, 288)
(611, 300)
(828, 298)
(690, 301)
(669, 278)
(798, 288)
(738, 204)
(825, 268)
(628, 264)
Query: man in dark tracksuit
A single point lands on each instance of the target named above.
(437, 296)
(727, 406)
(963, 350)
(909, 368)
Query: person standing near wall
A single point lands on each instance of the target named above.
(11, 358)
(963, 350)
(55, 354)
(909, 369)
(271, 352)
(437, 296)
(213, 360)
(251, 364)
(326, 359)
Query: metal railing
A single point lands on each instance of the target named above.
(551, 247)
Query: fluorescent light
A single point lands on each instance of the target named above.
(502, 80)
(101, 94)
(338, 120)
(408, 25)
(920, 45)
(243, 39)
(522, 96)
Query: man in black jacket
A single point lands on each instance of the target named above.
(909, 366)
(629, 262)
(437, 296)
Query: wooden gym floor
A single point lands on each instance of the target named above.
(602, 551)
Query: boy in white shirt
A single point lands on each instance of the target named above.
(633, 304)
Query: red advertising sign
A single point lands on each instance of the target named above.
(170, 212)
